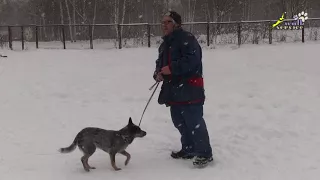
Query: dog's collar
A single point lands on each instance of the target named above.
(126, 138)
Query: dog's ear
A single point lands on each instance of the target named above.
(130, 121)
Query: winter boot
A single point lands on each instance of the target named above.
(181, 155)
(202, 161)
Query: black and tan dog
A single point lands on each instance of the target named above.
(110, 141)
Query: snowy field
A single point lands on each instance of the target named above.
(262, 113)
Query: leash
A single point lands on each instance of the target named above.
(157, 83)
(153, 86)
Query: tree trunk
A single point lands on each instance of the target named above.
(193, 13)
(61, 13)
(74, 21)
(70, 21)
(94, 16)
(61, 18)
(123, 14)
(84, 10)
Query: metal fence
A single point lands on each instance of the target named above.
(90, 36)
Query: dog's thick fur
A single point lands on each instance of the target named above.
(110, 141)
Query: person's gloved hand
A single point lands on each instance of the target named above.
(159, 77)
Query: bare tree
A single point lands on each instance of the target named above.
(71, 12)
(70, 21)
(293, 7)
(94, 16)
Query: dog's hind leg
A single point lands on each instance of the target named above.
(125, 153)
(87, 150)
(113, 161)
(84, 160)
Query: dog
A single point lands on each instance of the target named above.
(110, 141)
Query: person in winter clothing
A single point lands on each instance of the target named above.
(179, 67)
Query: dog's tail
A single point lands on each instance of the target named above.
(71, 148)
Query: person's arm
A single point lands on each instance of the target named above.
(190, 56)
(158, 64)
(156, 71)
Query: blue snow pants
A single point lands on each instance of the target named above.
(188, 119)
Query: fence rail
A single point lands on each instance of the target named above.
(226, 32)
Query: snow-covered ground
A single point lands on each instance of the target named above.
(262, 113)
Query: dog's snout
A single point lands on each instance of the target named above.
(144, 133)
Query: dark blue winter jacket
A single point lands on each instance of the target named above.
(182, 52)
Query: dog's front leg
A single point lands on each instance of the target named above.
(125, 153)
(113, 161)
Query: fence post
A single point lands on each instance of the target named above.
(270, 32)
(208, 34)
(149, 34)
(303, 34)
(119, 36)
(37, 37)
(63, 36)
(90, 35)
(22, 37)
(239, 33)
(10, 37)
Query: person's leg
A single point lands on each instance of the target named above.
(193, 115)
(186, 141)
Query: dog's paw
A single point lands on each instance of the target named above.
(117, 169)
(92, 168)
(87, 169)
(126, 163)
